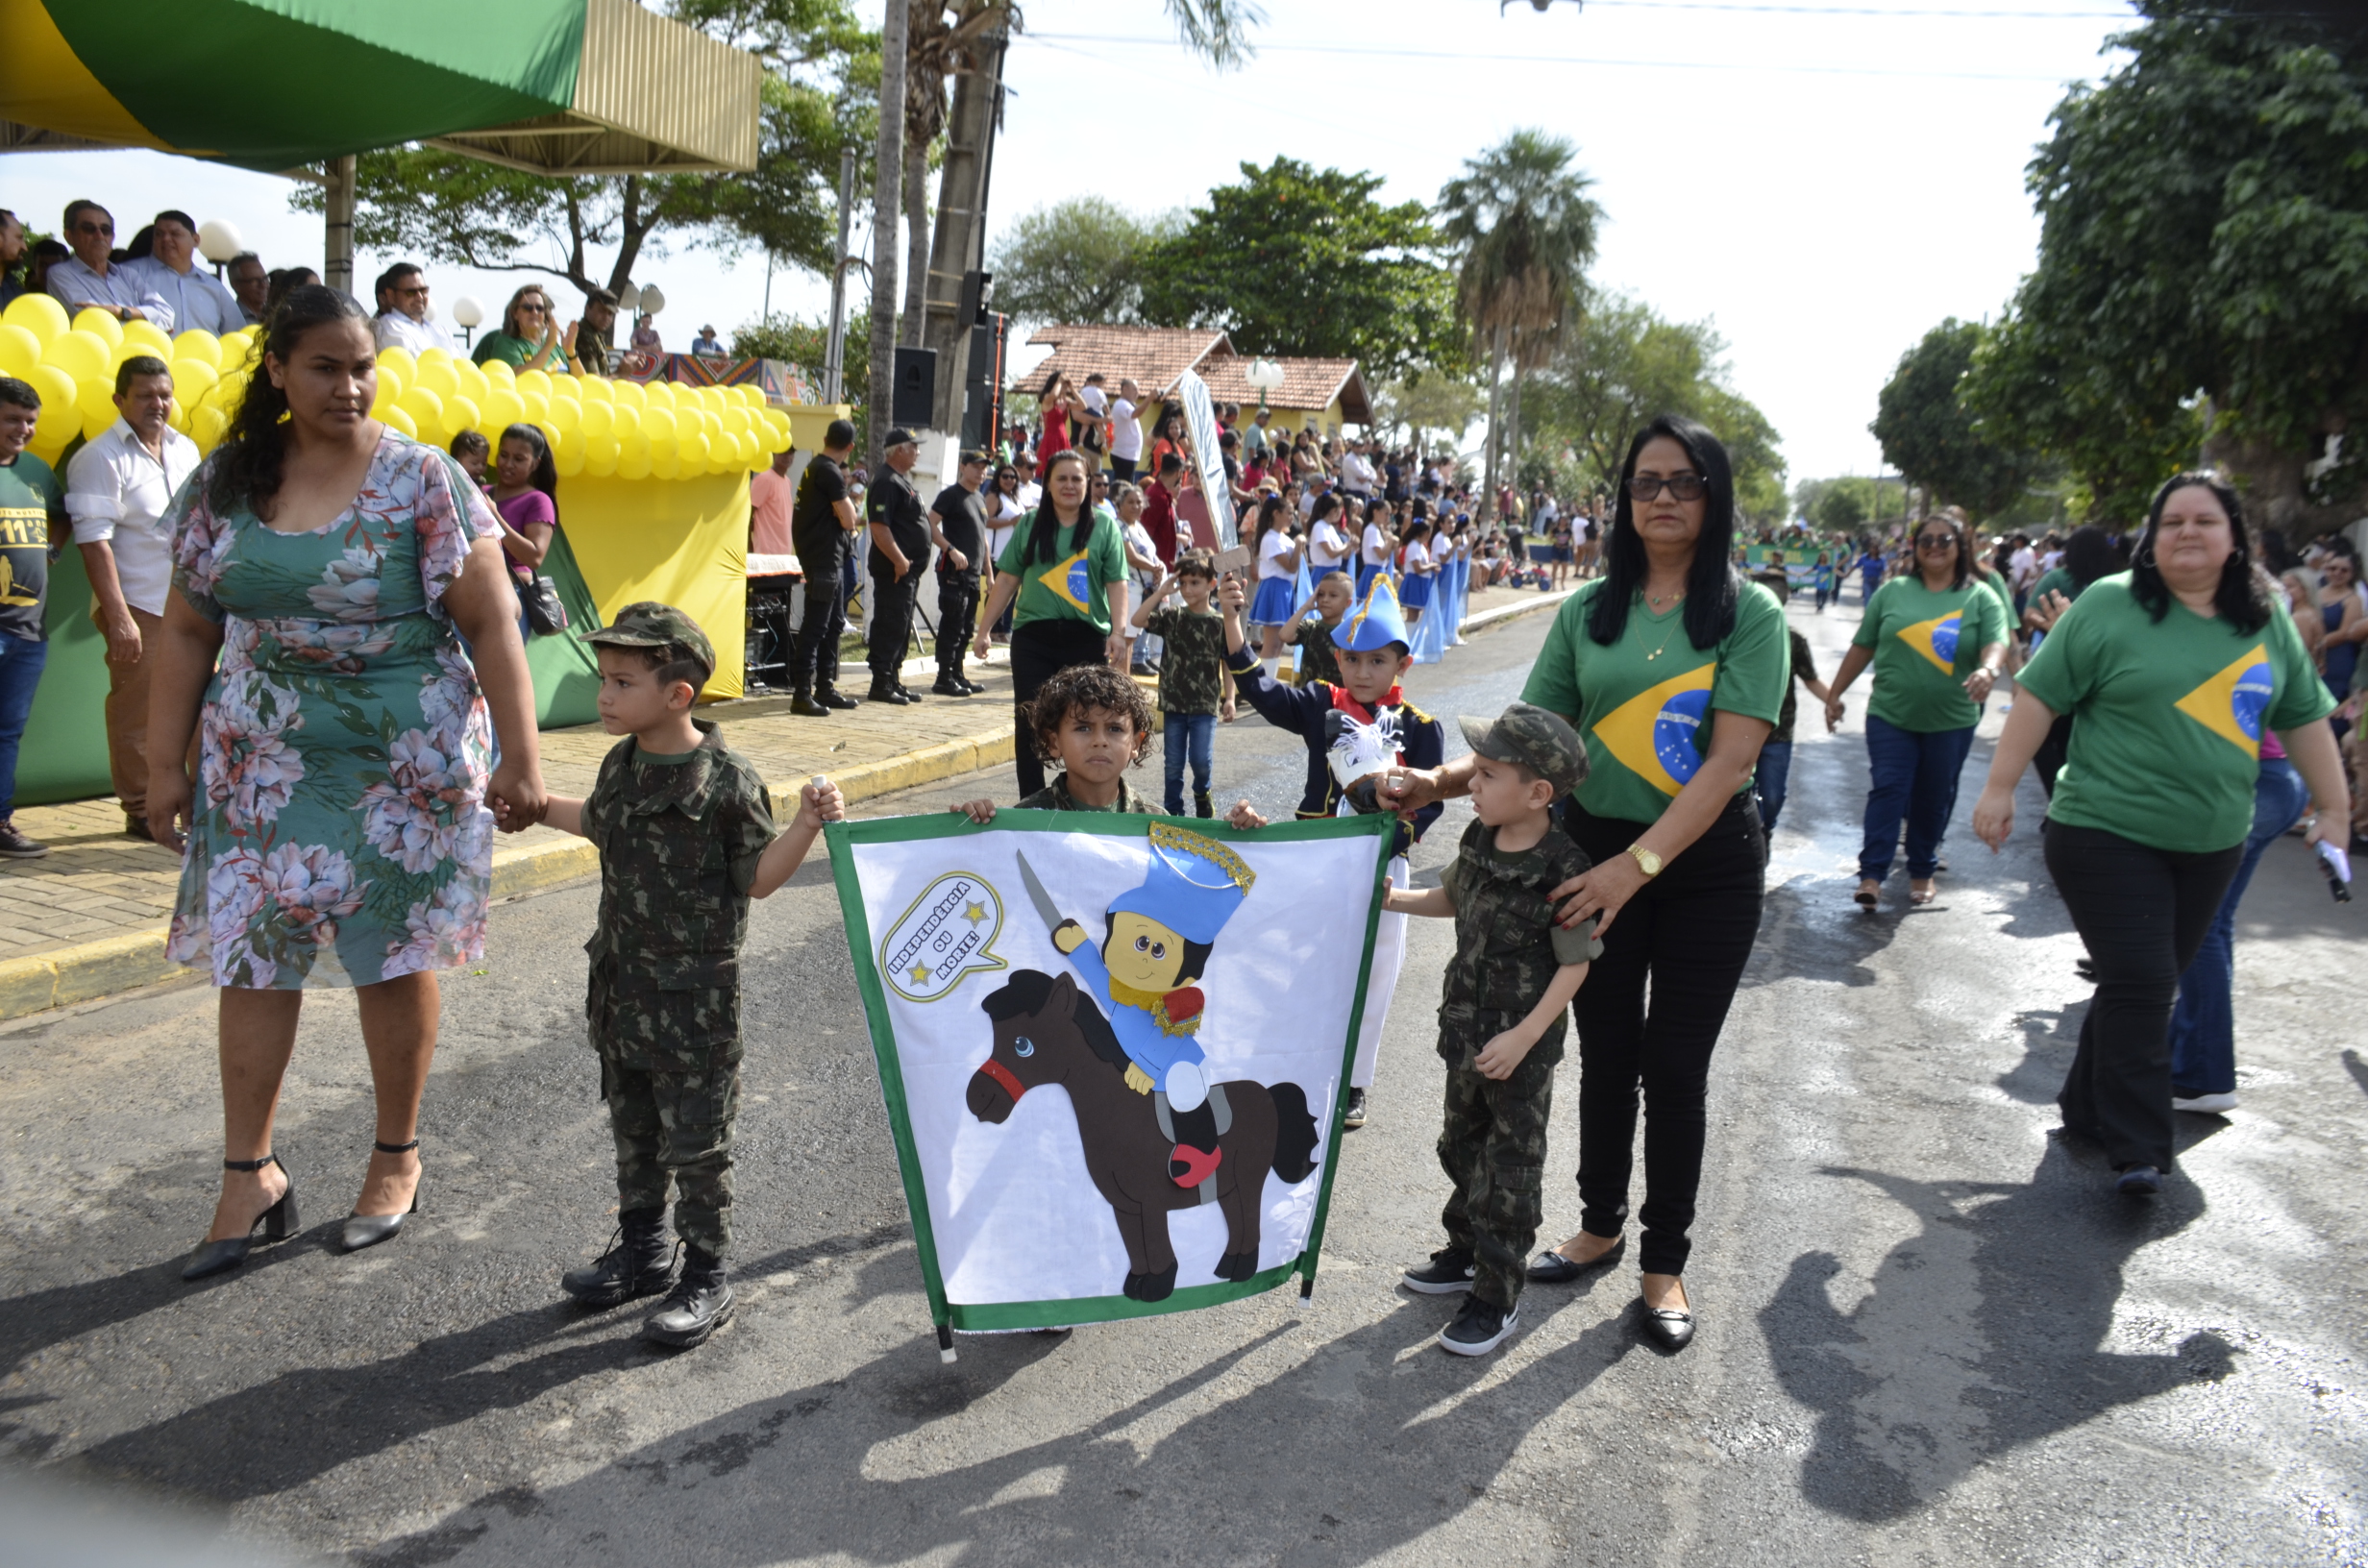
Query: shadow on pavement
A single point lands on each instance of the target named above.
(1809, 930)
(2356, 1067)
(1981, 1332)
(2050, 1037)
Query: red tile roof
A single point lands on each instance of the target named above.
(1307, 384)
(1155, 357)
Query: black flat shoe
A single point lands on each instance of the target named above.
(369, 1230)
(1668, 1328)
(1551, 1268)
(278, 1222)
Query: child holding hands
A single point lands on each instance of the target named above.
(1195, 689)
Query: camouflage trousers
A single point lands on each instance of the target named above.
(676, 1126)
(1493, 1147)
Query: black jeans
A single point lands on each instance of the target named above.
(814, 659)
(1688, 934)
(1041, 650)
(2143, 914)
(957, 618)
(891, 622)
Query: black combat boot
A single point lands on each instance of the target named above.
(831, 697)
(1202, 805)
(700, 1303)
(885, 691)
(801, 703)
(638, 1262)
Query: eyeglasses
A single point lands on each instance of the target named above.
(1936, 541)
(525, 307)
(1681, 486)
(414, 290)
(87, 227)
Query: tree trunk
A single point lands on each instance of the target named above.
(1513, 429)
(1488, 465)
(887, 178)
(915, 243)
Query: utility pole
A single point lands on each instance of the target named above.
(834, 349)
(961, 239)
(887, 213)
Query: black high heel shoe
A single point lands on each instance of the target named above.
(369, 1230)
(278, 1222)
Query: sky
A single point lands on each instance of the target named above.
(1823, 180)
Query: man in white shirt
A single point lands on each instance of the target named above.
(1357, 471)
(403, 313)
(117, 489)
(1030, 492)
(1125, 430)
(199, 300)
(88, 280)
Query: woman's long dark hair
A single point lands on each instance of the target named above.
(2089, 554)
(2238, 598)
(246, 467)
(1047, 526)
(546, 475)
(1712, 585)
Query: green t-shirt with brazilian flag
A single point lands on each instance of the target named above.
(28, 498)
(2171, 716)
(1071, 586)
(1924, 644)
(1644, 704)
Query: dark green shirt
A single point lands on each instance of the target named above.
(1055, 797)
(1192, 666)
(30, 499)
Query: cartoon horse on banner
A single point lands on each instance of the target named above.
(1047, 1031)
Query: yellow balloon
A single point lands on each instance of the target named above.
(19, 351)
(600, 461)
(393, 380)
(593, 388)
(96, 421)
(148, 333)
(781, 439)
(441, 356)
(626, 424)
(475, 384)
(569, 388)
(399, 357)
(694, 450)
(438, 376)
(238, 350)
(568, 463)
(36, 314)
(565, 417)
(658, 425)
(192, 380)
(459, 414)
(503, 409)
(201, 345)
(83, 356)
(99, 325)
(666, 464)
(600, 421)
(499, 370)
(550, 436)
(58, 390)
(629, 394)
(177, 415)
(633, 465)
(538, 407)
(426, 408)
(398, 419)
(533, 381)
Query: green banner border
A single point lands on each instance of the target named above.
(841, 837)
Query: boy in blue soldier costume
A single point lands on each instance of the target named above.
(1355, 731)
(1147, 975)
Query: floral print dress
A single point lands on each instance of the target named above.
(342, 833)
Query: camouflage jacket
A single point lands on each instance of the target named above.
(1055, 797)
(678, 848)
(1192, 666)
(1506, 947)
(1318, 654)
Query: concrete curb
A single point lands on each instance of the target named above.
(130, 960)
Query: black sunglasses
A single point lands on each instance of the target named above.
(1681, 486)
(1936, 541)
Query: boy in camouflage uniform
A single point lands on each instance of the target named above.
(684, 828)
(1195, 687)
(1501, 1012)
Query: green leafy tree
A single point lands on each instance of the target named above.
(1426, 402)
(1930, 434)
(2203, 254)
(817, 96)
(1076, 261)
(1298, 260)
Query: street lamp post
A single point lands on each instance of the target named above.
(218, 242)
(469, 315)
(1265, 376)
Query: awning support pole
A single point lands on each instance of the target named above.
(338, 259)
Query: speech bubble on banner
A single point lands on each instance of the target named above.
(947, 932)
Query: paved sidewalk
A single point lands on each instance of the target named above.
(88, 920)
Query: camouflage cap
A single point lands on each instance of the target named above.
(650, 625)
(1541, 741)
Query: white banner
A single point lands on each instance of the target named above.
(1200, 419)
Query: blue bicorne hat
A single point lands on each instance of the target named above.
(1195, 885)
(1376, 623)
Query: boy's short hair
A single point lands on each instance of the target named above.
(1085, 688)
(1170, 461)
(1196, 563)
(16, 394)
(469, 441)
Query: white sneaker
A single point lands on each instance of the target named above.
(2205, 1105)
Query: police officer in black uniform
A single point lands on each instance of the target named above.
(899, 556)
(958, 523)
(821, 525)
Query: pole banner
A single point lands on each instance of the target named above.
(1115, 1050)
(1200, 419)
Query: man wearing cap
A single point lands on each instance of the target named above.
(822, 527)
(899, 556)
(958, 527)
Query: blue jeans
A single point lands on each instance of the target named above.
(21, 661)
(1768, 780)
(1916, 778)
(2204, 1024)
(1195, 733)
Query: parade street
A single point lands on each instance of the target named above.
(1929, 1331)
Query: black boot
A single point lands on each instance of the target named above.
(701, 1302)
(1195, 1157)
(801, 703)
(885, 691)
(638, 1262)
(831, 697)
(1202, 805)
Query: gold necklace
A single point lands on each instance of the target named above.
(1674, 623)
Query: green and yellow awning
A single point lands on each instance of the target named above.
(553, 86)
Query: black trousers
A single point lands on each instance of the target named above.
(957, 618)
(1649, 1017)
(1121, 468)
(2049, 759)
(814, 658)
(1041, 650)
(892, 620)
(2143, 914)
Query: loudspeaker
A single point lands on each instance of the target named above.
(912, 402)
(977, 290)
(982, 387)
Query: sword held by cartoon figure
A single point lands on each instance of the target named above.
(1050, 911)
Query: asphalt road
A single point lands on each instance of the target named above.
(1928, 1333)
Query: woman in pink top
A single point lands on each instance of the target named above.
(525, 492)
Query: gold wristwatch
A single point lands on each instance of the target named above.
(1645, 858)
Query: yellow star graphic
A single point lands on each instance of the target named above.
(920, 974)
(975, 914)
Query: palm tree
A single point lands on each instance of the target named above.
(1525, 226)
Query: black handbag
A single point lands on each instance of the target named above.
(540, 598)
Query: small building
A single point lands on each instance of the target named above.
(1317, 393)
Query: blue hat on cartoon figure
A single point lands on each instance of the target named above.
(1195, 885)
(1376, 623)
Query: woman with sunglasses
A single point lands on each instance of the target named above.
(1937, 638)
(529, 336)
(1672, 668)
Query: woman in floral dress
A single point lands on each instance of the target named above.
(339, 831)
